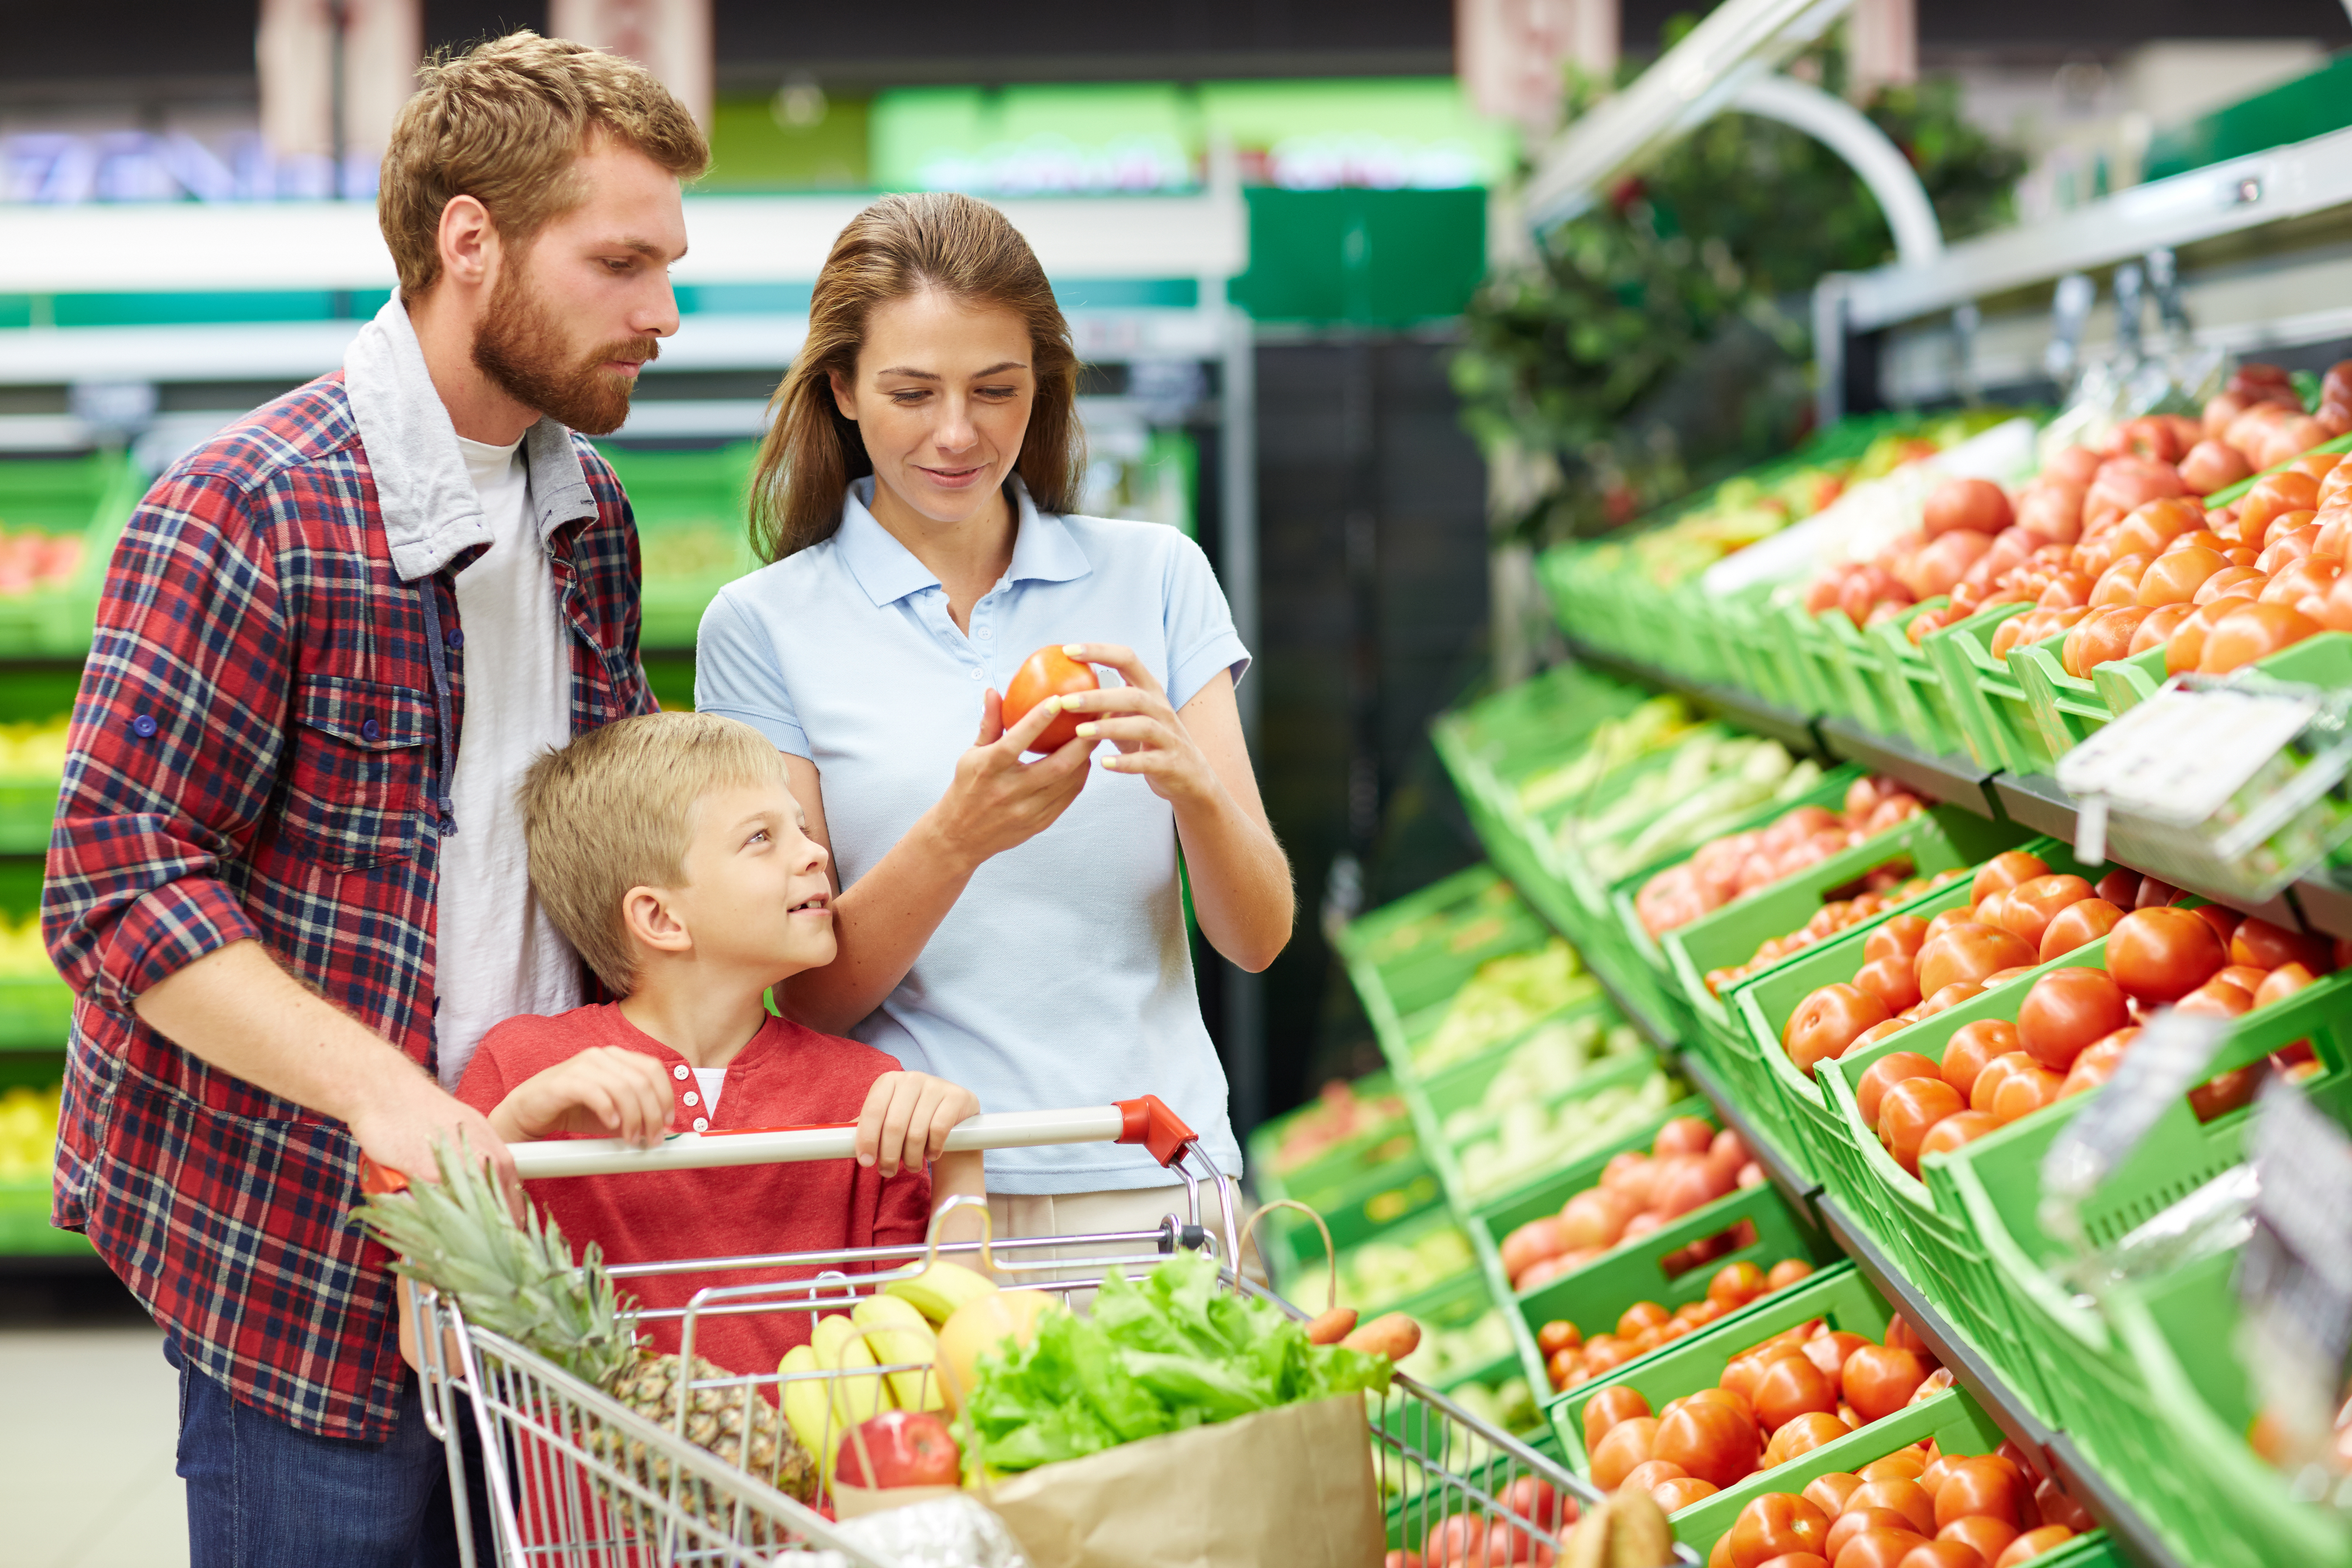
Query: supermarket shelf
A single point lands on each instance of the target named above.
(2326, 906)
(1800, 1192)
(1792, 729)
(2138, 1539)
(1954, 781)
(2036, 802)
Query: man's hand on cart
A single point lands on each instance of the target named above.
(602, 1091)
(906, 1118)
(398, 1129)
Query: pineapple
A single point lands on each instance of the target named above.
(518, 1281)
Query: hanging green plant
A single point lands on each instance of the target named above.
(1659, 342)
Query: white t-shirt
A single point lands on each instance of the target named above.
(496, 953)
(711, 1080)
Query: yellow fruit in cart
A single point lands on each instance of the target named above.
(841, 1346)
(942, 1289)
(808, 1407)
(899, 1335)
(981, 1326)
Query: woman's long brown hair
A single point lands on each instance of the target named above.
(900, 245)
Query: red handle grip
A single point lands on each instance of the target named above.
(1150, 1122)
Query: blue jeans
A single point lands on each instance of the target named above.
(263, 1494)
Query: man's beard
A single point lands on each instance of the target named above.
(520, 345)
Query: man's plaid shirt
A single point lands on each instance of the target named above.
(256, 753)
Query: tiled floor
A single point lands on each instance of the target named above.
(87, 1418)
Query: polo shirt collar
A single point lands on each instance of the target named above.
(1044, 550)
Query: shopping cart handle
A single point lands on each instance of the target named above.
(1146, 1121)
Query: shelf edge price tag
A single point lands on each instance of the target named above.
(2167, 1061)
(2295, 1274)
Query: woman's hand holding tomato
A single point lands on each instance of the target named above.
(997, 801)
(1140, 721)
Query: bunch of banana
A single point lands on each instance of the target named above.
(895, 1328)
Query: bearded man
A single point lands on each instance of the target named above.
(286, 878)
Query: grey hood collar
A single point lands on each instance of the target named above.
(431, 514)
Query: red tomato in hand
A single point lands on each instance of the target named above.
(1048, 672)
(2066, 1010)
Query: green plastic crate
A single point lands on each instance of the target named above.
(2067, 710)
(689, 508)
(1921, 701)
(1763, 1005)
(1951, 1418)
(2125, 683)
(1937, 1233)
(2215, 1498)
(91, 496)
(1997, 717)
(1858, 664)
(1631, 1073)
(1809, 662)
(1937, 839)
(1839, 1294)
(1340, 1165)
(24, 1228)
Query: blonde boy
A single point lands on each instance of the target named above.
(669, 851)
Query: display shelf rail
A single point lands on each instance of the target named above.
(2317, 904)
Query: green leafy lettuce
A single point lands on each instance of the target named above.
(1170, 1352)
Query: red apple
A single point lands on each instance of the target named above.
(909, 1448)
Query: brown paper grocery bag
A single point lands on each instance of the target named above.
(1292, 1487)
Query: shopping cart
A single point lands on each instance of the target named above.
(575, 1478)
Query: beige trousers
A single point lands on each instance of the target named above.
(1093, 1213)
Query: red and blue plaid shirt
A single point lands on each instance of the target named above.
(256, 753)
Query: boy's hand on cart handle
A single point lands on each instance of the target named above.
(398, 1132)
(906, 1118)
(605, 1091)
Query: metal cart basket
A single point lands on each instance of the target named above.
(574, 1477)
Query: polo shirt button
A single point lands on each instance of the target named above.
(691, 1097)
(143, 726)
(975, 675)
(680, 1073)
(700, 1123)
(985, 634)
(371, 731)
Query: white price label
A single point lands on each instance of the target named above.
(2179, 757)
(2170, 1057)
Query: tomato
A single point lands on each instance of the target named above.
(1826, 1022)
(1988, 1537)
(2219, 998)
(1905, 1464)
(1910, 1108)
(1881, 1548)
(1596, 1217)
(1903, 1494)
(1794, 1386)
(1829, 1491)
(1698, 1314)
(2077, 925)
(2253, 632)
(2188, 644)
(2174, 577)
(1624, 1444)
(1988, 1485)
(2054, 1505)
(1978, 505)
(1787, 1272)
(1650, 1474)
(1995, 1073)
(1830, 1349)
(1894, 980)
(1048, 672)
(2033, 1544)
(2031, 905)
(2281, 982)
(2065, 1011)
(1631, 1174)
(1719, 1554)
(2098, 637)
(2119, 887)
(1713, 1442)
(1684, 1136)
(1961, 1126)
(1736, 1285)
(1458, 1538)
(2283, 547)
(1969, 952)
(1971, 1045)
(1897, 936)
(2006, 869)
(2244, 976)
(2153, 894)
(1808, 1432)
(1558, 1335)
(2025, 1090)
(1884, 1074)
(2161, 954)
(1607, 1408)
(1726, 1397)
(2265, 946)
(1942, 1554)
(1950, 918)
(2234, 582)
(1877, 1380)
(1951, 995)
(1672, 1496)
(1774, 1524)
(1935, 1382)
(1797, 1559)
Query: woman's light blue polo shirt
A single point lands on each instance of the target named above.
(1062, 976)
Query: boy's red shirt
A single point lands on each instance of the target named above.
(787, 1076)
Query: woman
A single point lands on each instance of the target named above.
(1016, 927)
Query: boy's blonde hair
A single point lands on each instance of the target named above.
(503, 122)
(615, 810)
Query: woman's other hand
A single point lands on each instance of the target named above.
(906, 1118)
(1152, 738)
(998, 800)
